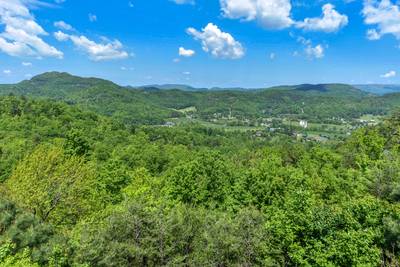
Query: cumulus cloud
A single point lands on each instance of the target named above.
(314, 51)
(107, 50)
(26, 64)
(63, 25)
(389, 74)
(384, 15)
(60, 36)
(330, 21)
(22, 34)
(311, 51)
(220, 44)
(186, 52)
(7, 72)
(271, 14)
(372, 35)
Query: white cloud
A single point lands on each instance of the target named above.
(303, 40)
(186, 52)
(92, 17)
(389, 74)
(7, 72)
(271, 14)
(63, 25)
(107, 50)
(220, 44)
(372, 35)
(311, 51)
(60, 36)
(22, 34)
(383, 14)
(330, 21)
(314, 51)
(186, 73)
(26, 64)
(182, 2)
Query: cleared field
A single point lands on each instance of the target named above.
(219, 125)
(187, 110)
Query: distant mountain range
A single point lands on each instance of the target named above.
(379, 89)
(184, 87)
(156, 103)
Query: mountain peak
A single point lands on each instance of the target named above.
(56, 79)
(333, 88)
(51, 75)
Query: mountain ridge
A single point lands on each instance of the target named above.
(151, 105)
(379, 89)
(93, 81)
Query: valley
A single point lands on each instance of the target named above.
(330, 110)
(95, 174)
(197, 133)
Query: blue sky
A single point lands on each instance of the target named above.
(205, 43)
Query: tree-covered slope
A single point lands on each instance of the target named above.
(81, 189)
(141, 105)
(98, 95)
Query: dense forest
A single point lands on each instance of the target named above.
(88, 177)
(153, 106)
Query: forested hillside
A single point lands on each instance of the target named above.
(82, 189)
(155, 106)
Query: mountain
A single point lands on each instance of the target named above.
(153, 105)
(325, 88)
(339, 89)
(59, 85)
(102, 96)
(189, 88)
(181, 87)
(379, 89)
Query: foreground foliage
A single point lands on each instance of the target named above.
(80, 189)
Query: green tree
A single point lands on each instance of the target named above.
(76, 143)
(206, 181)
(54, 186)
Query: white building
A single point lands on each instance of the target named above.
(304, 124)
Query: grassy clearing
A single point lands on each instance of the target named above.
(223, 126)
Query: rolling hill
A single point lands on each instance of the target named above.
(151, 105)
